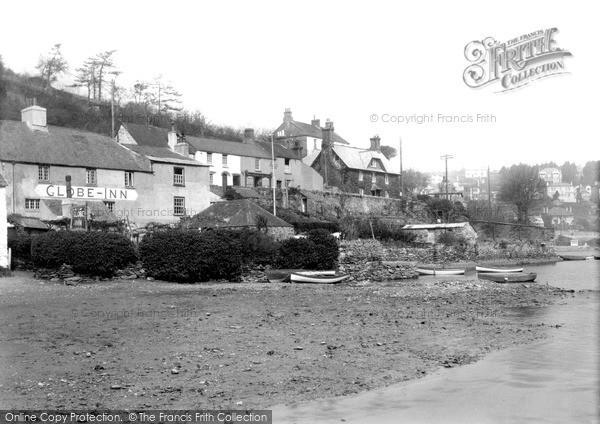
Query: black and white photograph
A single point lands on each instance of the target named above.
(299, 212)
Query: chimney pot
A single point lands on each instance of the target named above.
(316, 122)
(375, 143)
(287, 115)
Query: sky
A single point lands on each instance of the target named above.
(360, 64)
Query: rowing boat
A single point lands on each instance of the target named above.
(485, 269)
(439, 271)
(508, 277)
(318, 277)
(572, 258)
(283, 275)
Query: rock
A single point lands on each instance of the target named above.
(73, 281)
(115, 387)
(150, 278)
(174, 371)
(298, 348)
(88, 354)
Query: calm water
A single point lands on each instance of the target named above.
(554, 381)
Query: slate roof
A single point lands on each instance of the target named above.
(226, 147)
(355, 158)
(234, 213)
(65, 147)
(279, 150)
(148, 135)
(21, 221)
(162, 154)
(298, 129)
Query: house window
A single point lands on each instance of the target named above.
(386, 193)
(178, 176)
(256, 164)
(209, 158)
(373, 178)
(43, 173)
(224, 161)
(361, 191)
(387, 179)
(288, 170)
(91, 177)
(110, 206)
(32, 204)
(360, 176)
(212, 178)
(179, 206)
(128, 179)
(279, 182)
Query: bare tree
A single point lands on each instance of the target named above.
(104, 64)
(166, 97)
(52, 65)
(522, 188)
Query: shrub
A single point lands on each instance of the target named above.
(92, 253)
(562, 241)
(319, 250)
(383, 230)
(190, 256)
(259, 248)
(20, 246)
(304, 226)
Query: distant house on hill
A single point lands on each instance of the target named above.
(551, 175)
(559, 215)
(238, 214)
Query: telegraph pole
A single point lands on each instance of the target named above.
(401, 173)
(446, 157)
(489, 192)
(273, 181)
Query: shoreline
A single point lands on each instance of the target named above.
(157, 345)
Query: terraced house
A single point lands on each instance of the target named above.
(231, 163)
(54, 172)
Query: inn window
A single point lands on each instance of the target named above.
(360, 176)
(43, 173)
(224, 161)
(110, 206)
(91, 177)
(128, 179)
(209, 158)
(256, 164)
(32, 204)
(179, 206)
(178, 176)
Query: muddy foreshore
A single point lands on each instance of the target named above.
(150, 344)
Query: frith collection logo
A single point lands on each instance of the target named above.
(516, 62)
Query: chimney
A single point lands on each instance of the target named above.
(172, 138)
(375, 143)
(183, 148)
(248, 135)
(316, 122)
(35, 117)
(329, 124)
(287, 116)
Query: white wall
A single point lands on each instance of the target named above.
(233, 166)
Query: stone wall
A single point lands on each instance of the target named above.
(488, 230)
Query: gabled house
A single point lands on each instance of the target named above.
(302, 138)
(564, 192)
(57, 172)
(551, 175)
(355, 170)
(559, 215)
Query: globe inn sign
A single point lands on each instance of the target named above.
(88, 193)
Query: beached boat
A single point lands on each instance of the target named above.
(439, 271)
(486, 269)
(572, 258)
(284, 275)
(508, 277)
(318, 277)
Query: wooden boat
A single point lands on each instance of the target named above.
(318, 277)
(508, 277)
(439, 271)
(284, 275)
(486, 269)
(572, 258)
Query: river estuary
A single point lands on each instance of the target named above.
(553, 381)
